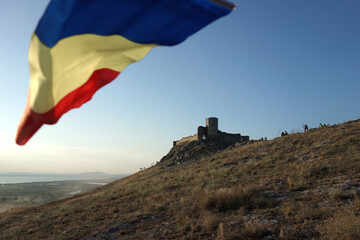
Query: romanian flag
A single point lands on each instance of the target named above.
(81, 45)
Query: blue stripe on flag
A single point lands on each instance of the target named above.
(163, 22)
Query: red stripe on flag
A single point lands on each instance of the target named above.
(32, 121)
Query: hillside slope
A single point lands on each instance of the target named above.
(301, 186)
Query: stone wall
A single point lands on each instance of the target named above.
(212, 134)
(231, 138)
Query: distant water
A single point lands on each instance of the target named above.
(26, 178)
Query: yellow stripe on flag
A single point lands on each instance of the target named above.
(56, 71)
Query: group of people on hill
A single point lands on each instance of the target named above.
(306, 128)
(260, 139)
(284, 133)
(323, 125)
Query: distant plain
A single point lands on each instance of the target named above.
(38, 189)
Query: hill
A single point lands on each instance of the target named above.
(300, 186)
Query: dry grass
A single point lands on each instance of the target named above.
(220, 233)
(340, 195)
(226, 199)
(356, 201)
(254, 231)
(209, 221)
(344, 225)
(207, 196)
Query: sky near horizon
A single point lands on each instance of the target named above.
(269, 66)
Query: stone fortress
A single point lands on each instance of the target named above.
(211, 133)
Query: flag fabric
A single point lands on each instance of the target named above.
(81, 45)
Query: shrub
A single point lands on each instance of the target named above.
(344, 225)
(254, 230)
(225, 199)
(339, 195)
(209, 221)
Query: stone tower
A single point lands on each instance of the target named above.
(212, 127)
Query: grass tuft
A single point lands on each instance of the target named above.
(344, 225)
(226, 199)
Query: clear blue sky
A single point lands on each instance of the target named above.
(268, 66)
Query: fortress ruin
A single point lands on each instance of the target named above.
(212, 133)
